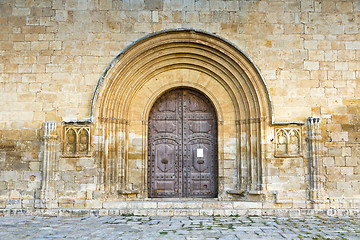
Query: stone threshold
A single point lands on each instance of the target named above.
(173, 212)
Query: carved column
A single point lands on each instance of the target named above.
(48, 163)
(314, 161)
(113, 155)
(250, 167)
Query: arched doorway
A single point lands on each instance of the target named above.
(171, 59)
(182, 146)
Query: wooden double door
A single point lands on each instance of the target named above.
(182, 146)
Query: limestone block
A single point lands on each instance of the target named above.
(217, 205)
(351, 161)
(324, 45)
(101, 212)
(39, 46)
(311, 44)
(165, 205)
(123, 212)
(6, 46)
(3, 185)
(32, 176)
(247, 205)
(317, 92)
(72, 186)
(153, 4)
(219, 212)
(27, 203)
(34, 185)
(346, 55)
(333, 170)
(151, 212)
(329, 161)
(330, 55)
(84, 179)
(66, 203)
(141, 212)
(10, 175)
(186, 212)
(341, 66)
(344, 7)
(316, 55)
(186, 205)
(15, 194)
(339, 136)
(2, 203)
(79, 203)
(191, 16)
(13, 203)
(311, 65)
(307, 6)
(165, 212)
(68, 176)
(206, 212)
(347, 170)
(115, 204)
(4, 194)
(10, 68)
(149, 205)
(134, 204)
(294, 29)
(337, 118)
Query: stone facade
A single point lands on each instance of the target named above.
(78, 79)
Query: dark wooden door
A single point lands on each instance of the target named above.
(182, 149)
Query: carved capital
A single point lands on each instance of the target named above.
(50, 130)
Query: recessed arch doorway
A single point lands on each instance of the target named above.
(182, 146)
(157, 64)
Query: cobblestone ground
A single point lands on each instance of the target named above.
(131, 227)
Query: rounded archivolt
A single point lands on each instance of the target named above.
(181, 49)
(174, 59)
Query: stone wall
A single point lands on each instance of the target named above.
(54, 52)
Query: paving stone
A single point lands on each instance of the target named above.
(107, 227)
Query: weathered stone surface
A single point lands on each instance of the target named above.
(53, 54)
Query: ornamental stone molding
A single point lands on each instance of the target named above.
(171, 59)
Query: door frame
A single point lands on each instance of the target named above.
(220, 133)
(215, 176)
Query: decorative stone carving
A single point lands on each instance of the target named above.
(84, 141)
(287, 142)
(316, 189)
(250, 154)
(113, 162)
(123, 93)
(70, 146)
(48, 162)
(76, 140)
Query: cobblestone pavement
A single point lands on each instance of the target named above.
(131, 227)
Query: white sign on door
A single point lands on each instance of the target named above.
(200, 152)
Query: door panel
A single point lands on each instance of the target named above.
(182, 146)
(165, 156)
(165, 173)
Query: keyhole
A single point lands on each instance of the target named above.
(164, 161)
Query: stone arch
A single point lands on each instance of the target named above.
(169, 59)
